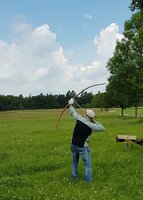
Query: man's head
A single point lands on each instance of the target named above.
(90, 113)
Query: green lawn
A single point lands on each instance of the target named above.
(35, 163)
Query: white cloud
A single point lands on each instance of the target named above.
(59, 57)
(95, 65)
(88, 16)
(106, 41)
(36, 63)
(19, 25)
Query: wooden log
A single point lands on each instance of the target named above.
(127, 137)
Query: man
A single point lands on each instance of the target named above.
(79, 147)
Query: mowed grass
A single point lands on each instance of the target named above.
(35, 163)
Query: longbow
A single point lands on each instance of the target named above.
(74, 98)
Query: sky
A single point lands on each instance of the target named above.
(53, 46)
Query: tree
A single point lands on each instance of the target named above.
(85, 99)
(62, 100)
(99, 101)
(70, 94)
(120, 70)
(2, 101)
(136, 5)
(126, 65)
(134, 33)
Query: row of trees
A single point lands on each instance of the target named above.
(105, 101)
(41, 101)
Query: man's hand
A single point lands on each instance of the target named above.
(71, 101)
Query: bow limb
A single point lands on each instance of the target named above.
(60, 117)
(88, 88)
(74, 99)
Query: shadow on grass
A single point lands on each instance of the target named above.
(19, 170)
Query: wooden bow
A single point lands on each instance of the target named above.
(74, 99)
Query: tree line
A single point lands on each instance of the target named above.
(41, 101)
(86, 100)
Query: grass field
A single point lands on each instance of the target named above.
(35, 163)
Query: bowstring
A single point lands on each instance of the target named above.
(80, 107)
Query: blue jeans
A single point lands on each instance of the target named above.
(85, 154)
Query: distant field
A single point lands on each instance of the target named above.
(35, 163)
